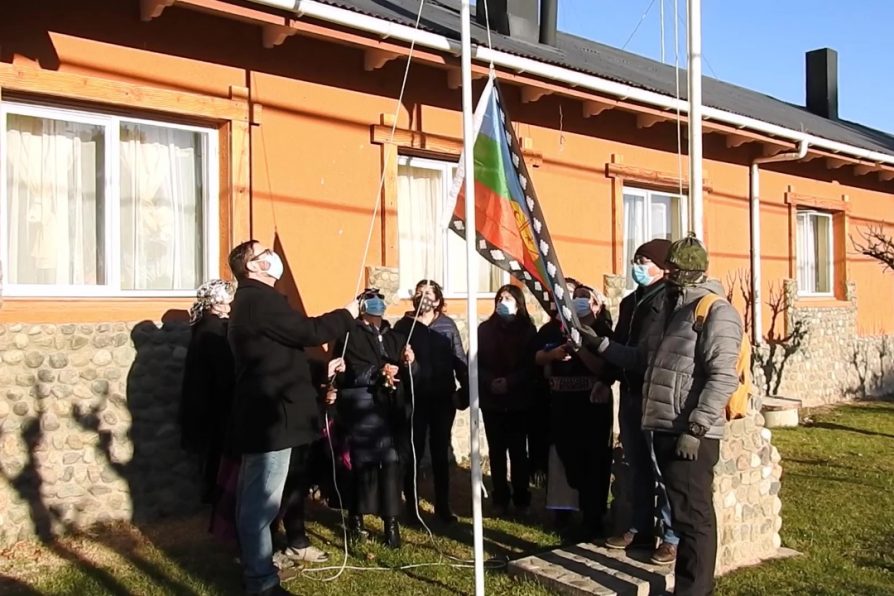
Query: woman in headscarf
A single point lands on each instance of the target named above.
(372, 411)
(207, 389)
(441, 363)
(506, 374)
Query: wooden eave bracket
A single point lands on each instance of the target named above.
(532, 94)
(374, 59)
(886, 175)
(455, 78)
(594, 108)
(833, 163)
(648, 120)
(152, 9)
(733, 141)
(863, 169)
(274, 35)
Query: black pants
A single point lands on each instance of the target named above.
(294, 493)
(581, 433)
(376, 489)
(433, 418)
(506, 432)
(538, 432)
(690, 491)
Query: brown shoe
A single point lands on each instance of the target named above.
(628, 539)
(665, 554)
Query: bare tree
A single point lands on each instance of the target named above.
(780, 346)
(876, 244)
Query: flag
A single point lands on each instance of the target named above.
(510, 230)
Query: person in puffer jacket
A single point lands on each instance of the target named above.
(690, 375)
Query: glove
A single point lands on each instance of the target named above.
(687, 447)
(584, 336)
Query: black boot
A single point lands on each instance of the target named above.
(392, 532)
(356, 531)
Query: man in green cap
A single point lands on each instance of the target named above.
(690, 374)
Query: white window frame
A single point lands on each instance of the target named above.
(646, 196)
(813, 214)
(447, 169)
(111, 208)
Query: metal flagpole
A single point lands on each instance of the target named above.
(472, 297)
(694, 34)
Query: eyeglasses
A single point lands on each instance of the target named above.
(372, 293)
(261, 254)
(640, 260)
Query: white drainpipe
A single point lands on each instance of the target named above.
(755, 208)
(386, 29)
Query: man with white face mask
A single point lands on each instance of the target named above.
(275, 416)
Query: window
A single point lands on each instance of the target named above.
(92, 204)
(427, 248)
(814, 253)
(649, 215)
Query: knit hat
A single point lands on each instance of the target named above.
(656, 251)
(690, 259)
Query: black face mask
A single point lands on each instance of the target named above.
(423, 304)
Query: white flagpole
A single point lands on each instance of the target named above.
(472, 298)
(696, 211)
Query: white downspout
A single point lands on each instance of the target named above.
(757, 324)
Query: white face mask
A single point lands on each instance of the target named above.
(275, 266)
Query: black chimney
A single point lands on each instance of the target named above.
(515, 18)
(549, 15)
(822, 83)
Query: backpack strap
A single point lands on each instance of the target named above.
(701, 310)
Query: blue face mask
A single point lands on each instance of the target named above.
(374, 306)
(582, 307)
(640, 274)
(506, 310)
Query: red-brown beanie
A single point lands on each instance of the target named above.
(656, 251)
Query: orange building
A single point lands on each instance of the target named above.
(141, 139)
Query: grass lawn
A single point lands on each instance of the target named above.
(838, 508)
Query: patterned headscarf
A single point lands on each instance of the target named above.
(210, 293)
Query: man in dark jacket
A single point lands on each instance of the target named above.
(635, 315)
(689, 379)
(275, 416)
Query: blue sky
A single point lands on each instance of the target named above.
(760, 44)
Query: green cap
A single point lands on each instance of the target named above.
(689, 256)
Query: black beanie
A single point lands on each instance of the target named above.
(656, 251)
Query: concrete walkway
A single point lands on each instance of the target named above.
(589, 569)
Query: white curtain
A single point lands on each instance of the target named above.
(161, 208)
(634, 230)
(424, 243)
(814, 256)
(54, 201)
(420, 198)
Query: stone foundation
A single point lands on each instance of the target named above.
(89, 426)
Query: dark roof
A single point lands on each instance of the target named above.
(590, 57)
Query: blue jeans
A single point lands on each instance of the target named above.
(262, 478)
(645, 479)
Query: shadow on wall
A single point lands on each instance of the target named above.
(116, 458)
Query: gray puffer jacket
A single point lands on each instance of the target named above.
(690, 375)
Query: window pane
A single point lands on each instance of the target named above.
(419, 203)
(822, 231)
(634, 230)
(162, 191)
(54, 201)
(806, 257)
(490, 278)
(666, 216)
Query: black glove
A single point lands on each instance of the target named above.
(584, 336)
(687, 447)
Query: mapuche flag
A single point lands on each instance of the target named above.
(510, 229)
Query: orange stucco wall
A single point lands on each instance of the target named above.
(315, 171)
